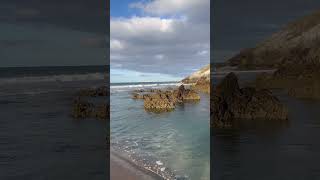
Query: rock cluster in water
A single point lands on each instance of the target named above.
(82, 107)
(231, 103)
(165, 100)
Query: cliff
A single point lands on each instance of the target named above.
(200, 79)
(301, 37)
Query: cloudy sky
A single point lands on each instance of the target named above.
(242, 24)
(158, 40)
(53, 32)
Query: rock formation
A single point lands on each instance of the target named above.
(200, 80)
(83, 107)
(165, 100)
(231, 103)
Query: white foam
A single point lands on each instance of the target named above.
(137, 86)
(159, 163)
(53, 78)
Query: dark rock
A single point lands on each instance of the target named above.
(159, 102)
(231, 103)
(165, 100)
(83, 109)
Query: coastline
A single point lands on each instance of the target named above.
(135, 161)
(122, 168)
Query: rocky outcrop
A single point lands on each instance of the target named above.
(200, 80)
(203, 73)
(230, 103)
(159, 102)
(83, 109)
(202, 85)
(84, 106)
(166, 100)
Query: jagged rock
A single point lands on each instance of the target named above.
(202, 85)
(231, 103)
(81, 109)
(158, 102)
(101, 111)
(200, 80)
(165, 100)
(84, 109)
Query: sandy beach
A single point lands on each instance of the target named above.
(121, 169)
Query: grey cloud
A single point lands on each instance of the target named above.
(168, 45)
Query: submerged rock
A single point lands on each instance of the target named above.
(231, 103)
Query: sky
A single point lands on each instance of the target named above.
(243, 24)
(158, 40)
(53, 33)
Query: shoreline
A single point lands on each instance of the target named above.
(122, 168)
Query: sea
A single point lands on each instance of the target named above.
(38, 138)
(277, 150)
(178, 142)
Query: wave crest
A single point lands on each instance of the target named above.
(53, 78)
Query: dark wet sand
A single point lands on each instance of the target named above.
(121, 169)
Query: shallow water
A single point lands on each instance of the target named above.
(178, 139)
(271, 150)
(38, 138)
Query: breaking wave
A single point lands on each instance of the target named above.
(53, 78)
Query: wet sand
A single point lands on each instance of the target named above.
(121, 169)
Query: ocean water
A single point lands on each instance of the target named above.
(179, 140)
(270, 150)
(38, 138)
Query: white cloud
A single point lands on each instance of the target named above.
(171, 7)
(150, 43)
(159, 56)
(203, 53)
(138, 27)
(116, 45)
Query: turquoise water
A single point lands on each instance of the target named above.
(179, 139)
